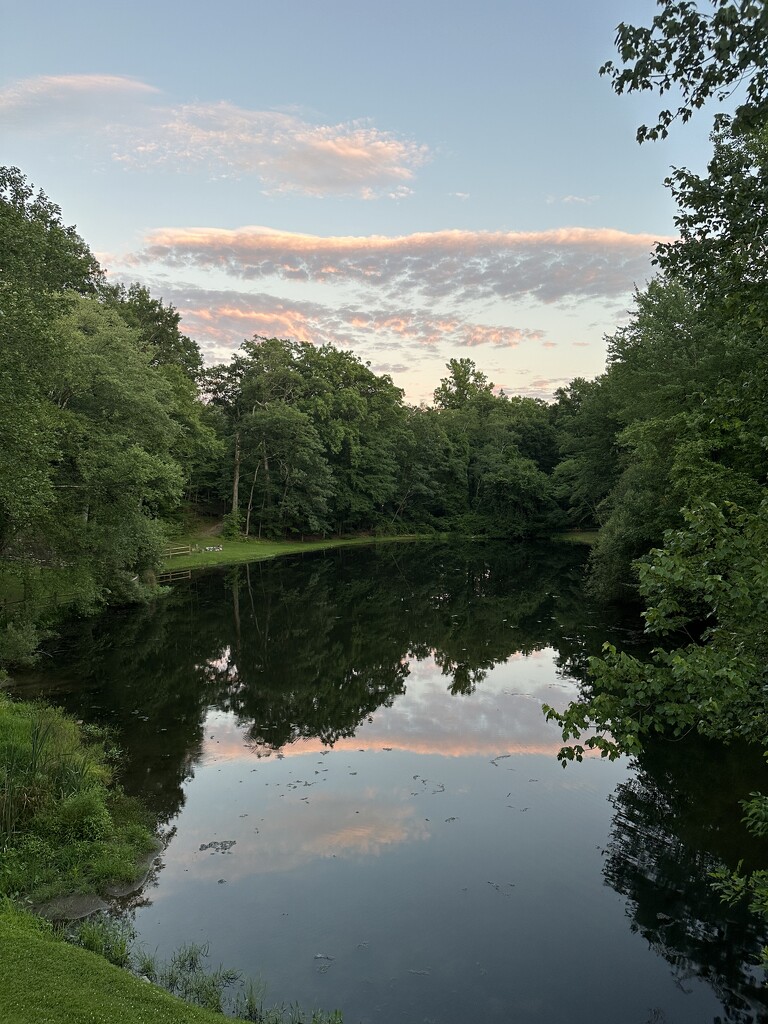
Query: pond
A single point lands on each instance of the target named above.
(363, 804)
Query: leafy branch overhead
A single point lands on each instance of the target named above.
(700, 54)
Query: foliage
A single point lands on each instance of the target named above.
(64, 827)
(709, 581)
(698, 53)
(320, 444)
(722, 220)
(100, 419)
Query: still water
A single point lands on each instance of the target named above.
(363, 804)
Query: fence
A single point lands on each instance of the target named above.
(177, 549)
(174, 577)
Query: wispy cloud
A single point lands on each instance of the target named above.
(220, 320)
(59, 101)
(550, 266)
(286, 153)
(572, 200)
(535, 387)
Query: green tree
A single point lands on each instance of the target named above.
(698, 53)
(157, 327)
(710, 582)
(463, 384)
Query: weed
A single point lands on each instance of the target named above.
(106, 936)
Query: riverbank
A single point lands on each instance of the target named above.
(207, 550)
(45, 980)
(71, 842)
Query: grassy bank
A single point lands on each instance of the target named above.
(223, 551)
(64, 827)
(45, 980)
(68, 835)
(579, 536)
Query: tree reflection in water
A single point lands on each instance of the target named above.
(310, 647)
(676, 820)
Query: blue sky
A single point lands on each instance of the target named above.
(414, 181)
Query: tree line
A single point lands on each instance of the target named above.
(111, 423)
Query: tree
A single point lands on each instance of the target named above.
(463, 384)
(291, 481)
(43, 264)
(709, 581)
(157, 326)
(722, 222)
(701, 54)
(95, 426)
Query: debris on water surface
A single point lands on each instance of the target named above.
(323, 956)
(440, 789)
(499, 757)
(497, 887)
(222, 881)
(450, 819)
(421, 973)
(223, 846)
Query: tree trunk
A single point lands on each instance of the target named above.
(266, 490)
(236, 480)
(250, 502)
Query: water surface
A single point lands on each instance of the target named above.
(364, 805)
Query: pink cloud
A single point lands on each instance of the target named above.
(550, 266)
(287, 154)
(219, 320)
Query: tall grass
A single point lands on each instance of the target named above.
(63, 826)
(42, 762)
(188, 976)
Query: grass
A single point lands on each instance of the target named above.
(579, 536)
(45, 980)
(200, 536)
(64, 826)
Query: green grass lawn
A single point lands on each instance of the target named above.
(579, 536)
(44, 980)
(250, 550)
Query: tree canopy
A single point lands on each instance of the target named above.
(699, 50)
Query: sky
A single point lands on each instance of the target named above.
(413, 181)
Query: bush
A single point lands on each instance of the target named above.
(84, 815)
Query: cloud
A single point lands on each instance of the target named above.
(538, 387)
(285, 152)
(572, 200)
(220, 320)
(62, 100)
(549, 266)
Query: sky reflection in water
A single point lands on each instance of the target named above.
(366, 807)
(437, 866)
